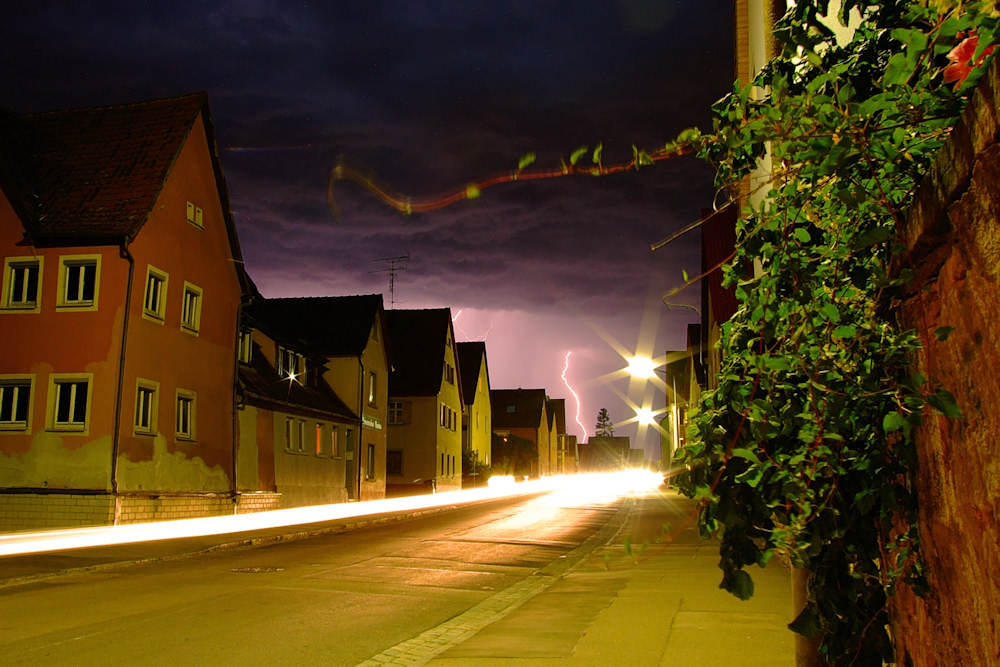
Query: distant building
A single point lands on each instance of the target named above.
(122, 277)
(522, 413)
(425, 403)
(605, 453)
(477, 414)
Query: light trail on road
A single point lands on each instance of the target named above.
(596, 484)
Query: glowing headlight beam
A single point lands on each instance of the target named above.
(596, 485)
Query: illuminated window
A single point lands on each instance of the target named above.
(186, 413)
(195, 215)
(155, 299)
(191, 308)
(145, 407)
(15, 399)
(79, 278)
(319, 439)
(371, 388)
(394, 462)
(334, 441)
(246, 347)
(290, 364)
(69, 396)
(22, 278)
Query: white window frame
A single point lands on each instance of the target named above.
(68, 263)
(147, 407)
(319, 439)
(334, 441)
(14, 386)
(185, 399)
(370, 462)
(191, 303)
(7, 297)
(155, 312)
(372, 385)
(395, 412)
(57, 382)
(286, 355)
(295, 433)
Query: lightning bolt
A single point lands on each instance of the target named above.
(576, 398)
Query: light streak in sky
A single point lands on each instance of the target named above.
(592, 485)
(572, 391)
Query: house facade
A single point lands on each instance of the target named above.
(121, 284)
(425, 403)
(329, 368)
(477, 413)
(521, 414)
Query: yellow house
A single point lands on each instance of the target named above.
(477, 414)
(521, 413)
(425, 403)
(341, 345)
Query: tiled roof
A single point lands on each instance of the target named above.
(327, 325)
(417, 343)
(92, 175)
(261, 385)
(527, 407)
(470, 357)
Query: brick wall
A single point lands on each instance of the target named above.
(954, 240)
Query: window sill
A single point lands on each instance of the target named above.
(185, 440)
(146, 315)
(17, 308)
(68, 430)
(148, 434)
(190, 331)
(76, 307)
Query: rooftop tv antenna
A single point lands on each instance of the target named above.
(395, 265)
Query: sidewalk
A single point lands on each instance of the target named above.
(659, 606)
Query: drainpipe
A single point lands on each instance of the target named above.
(115, 436)
(361, 426)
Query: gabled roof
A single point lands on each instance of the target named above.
(327, 325)
(417, 344)
(470, 357)
(559, 408)
(261, 385)
(517, 408)
(95, 172)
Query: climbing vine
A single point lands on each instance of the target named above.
(805, 449)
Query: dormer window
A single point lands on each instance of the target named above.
(291, 365)
(195, 215)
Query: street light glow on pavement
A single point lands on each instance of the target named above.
(594, 485)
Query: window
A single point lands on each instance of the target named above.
(295, 434)
(15, 403)
(394, 462)
(370, 462)
(289, 364)
(79, 278)
(195, 215)
(396, 412)
(145, 406)
(185, 415)
(22, 279)
(511, 409)
(246, 346)
(69, 397)
(442, 465)
(191, 308)
(334, 441)
(155, 300)
(371, 388)
(449, 373)
(319, 439)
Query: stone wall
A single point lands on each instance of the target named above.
(953, 235)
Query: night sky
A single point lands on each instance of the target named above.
(426, 97)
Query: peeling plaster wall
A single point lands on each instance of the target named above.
(954, 240)
(49, 463)
(168, 470)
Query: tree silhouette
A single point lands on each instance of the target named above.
(604, 428)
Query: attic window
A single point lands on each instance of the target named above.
(512, 408)
(289, 364)
(195, 215)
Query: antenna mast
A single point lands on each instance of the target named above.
(396, 264)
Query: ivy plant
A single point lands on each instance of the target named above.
(805, 449)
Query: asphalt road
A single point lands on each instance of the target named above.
(333, 600)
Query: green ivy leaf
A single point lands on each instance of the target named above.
(575, 156)
(893, 421)
(943, 401)
(743, 453)
(596, 157)
(807, 622)
(845, 331)
(942, 333)
(526, 161)
(740, 584)
(471, 192)
(802, 235)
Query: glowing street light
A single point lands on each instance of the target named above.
(641, 367)
(645, 416)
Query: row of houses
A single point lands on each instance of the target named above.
(143, 376)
